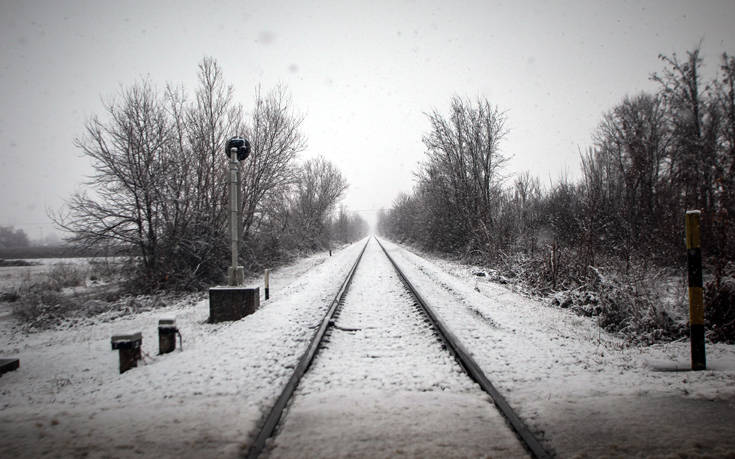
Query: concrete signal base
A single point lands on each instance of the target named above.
(232, 303)
(236, 277)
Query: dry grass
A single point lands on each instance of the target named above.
(632, 301)
(43, 300)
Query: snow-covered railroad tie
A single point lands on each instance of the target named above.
(386, 382)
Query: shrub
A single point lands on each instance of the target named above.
(13, 263)
(719, 308)
(42, 307)
(40, 302)
(633, 304)
(107, 269)
(62, 275)
(633, 308)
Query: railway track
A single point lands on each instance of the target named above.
(384, 355)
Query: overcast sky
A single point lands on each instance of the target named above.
(362, 73)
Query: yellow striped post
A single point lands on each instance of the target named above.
(696, 294)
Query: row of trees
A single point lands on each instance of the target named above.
(12, 238)
(347, 227)
(655, 156)
(459, 198)
(160, 181)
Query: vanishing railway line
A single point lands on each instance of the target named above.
(383, 375)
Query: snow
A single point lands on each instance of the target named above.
(583, 391)
(383, 385)
(68, 398)
(13, 276)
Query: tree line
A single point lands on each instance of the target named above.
(13, 238)
(161, 174)
(655, 156)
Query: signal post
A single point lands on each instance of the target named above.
(234, 301)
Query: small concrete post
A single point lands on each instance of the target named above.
(129, 350)
(696, 293)
(7, 365)
(167, 336)
(267, 282)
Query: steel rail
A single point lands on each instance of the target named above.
(274, 415)
(524, 434)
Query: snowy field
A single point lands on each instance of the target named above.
(13, 276)
(581, 390)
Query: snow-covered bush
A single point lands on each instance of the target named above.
(40, 305)
(12, 263)
(633, 308)
(47, 300)
(62, 275)
(719, 308)
(633, 305)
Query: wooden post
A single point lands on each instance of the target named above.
(696, 294)
(267, 282)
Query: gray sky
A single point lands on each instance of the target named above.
(362, 73)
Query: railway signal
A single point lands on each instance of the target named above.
(234, 301)
(237, 149)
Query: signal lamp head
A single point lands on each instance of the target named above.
(242, 145)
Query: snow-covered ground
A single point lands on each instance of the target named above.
(580, 389)
(68, 399)
(13, 276)
(383, 386)
(583, 391)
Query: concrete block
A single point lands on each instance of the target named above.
(167, 335)
(7, 365)
(232, 303)
(129, 349)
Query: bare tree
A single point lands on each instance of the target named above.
(629, 175)
(726, 102)
(160, 175)
(348, 227)
(276, 139)
(695, 125)
(130, 154)
(210, 120)
(405, 220)
(319, 188)
(464, 161)
(525, 205)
